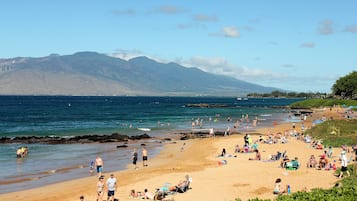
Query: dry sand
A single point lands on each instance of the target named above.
(240, 178)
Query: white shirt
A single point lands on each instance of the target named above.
(344, 160)
(111, 183)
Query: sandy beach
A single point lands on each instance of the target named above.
(239, 178)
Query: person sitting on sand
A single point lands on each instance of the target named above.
(257, 155)
(237, 149)
(283, 140)
(323, 161)
(133, 194)
(246, 148)
(182, 186)
(312, 162)
(223, 153)
(276, 156)
(254, 146)
(277, 188)
(284, 161)
(148, 195)
(295, 164)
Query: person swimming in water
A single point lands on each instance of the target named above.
(21, 152)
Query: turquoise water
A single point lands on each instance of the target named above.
(72, 115)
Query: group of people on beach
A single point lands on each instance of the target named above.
(110, 186)
(144, 153)
(161, 193)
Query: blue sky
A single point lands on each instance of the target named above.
(295, 45)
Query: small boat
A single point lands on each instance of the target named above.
(242, 98)
(144, 129)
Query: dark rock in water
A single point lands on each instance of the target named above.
(115, 137)
(122, 146)
(167, 139)
(143, 145)
(184, 137)
(139, 137)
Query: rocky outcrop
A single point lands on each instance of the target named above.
(115, 137)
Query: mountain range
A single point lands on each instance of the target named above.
(91, 73)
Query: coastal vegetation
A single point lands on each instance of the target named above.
(278, 94)
(346, 87)
(335, 132)
(317, 102)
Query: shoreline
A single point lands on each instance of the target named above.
(27, 179)
(240, 178)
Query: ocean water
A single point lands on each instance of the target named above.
(82, 115)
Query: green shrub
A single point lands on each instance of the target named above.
(316, 103)
(335, 132)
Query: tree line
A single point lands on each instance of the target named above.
(344, 88)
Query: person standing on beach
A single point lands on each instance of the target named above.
(111, 187)
(135, 158)
(99, 165)
(145, 157)
(100, 189)
(343, 165)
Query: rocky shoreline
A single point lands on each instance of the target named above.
(115, 137)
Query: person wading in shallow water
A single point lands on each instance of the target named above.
(99, 165)
(135, 158)
(145, 157)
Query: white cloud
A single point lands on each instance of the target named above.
(129, 54)
(256, 75)
(231, 32)
(220, 65)
(326, 27)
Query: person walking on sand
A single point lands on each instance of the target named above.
(135, 158)
(343, 165)
(111, 187)
(100, 189)
(145, 157)
(99, 165)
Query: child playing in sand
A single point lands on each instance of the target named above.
(277, 188)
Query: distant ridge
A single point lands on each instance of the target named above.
(91, 73)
